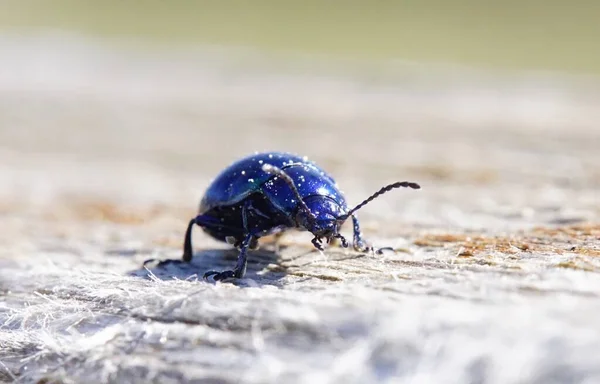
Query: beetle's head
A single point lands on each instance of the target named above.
(323, 216)
(323, 221)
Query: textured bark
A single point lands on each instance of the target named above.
(104, 157)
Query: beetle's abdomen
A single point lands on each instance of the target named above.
(243, 178)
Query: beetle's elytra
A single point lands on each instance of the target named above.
(271, 192)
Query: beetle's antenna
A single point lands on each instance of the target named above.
(387, 188)
(279, 172)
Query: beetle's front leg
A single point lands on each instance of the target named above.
(359, 244)
(317, 243)
(342, 240)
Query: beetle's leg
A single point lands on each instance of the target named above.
(187, 244)
(249, 241)
(202, 221)
(187, 248)
(342, 239)
(240, 268)
(358, 243)
(317, 243)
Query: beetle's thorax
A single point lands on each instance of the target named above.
(324, 219)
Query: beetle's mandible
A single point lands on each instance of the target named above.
(270, 192)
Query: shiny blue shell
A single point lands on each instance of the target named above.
(245, 177)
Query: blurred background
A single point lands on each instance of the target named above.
(533, 34)
(452, 91)
(115, 116)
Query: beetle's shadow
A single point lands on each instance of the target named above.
(264, 266)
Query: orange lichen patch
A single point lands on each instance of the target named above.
(439, 240)
(577, 264)
(468, 246)
(587, 252)
(573, 231)
(466, 253)
(107, 211)
(557, 240)
(101, 211)
(499, 244)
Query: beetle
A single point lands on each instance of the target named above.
(269, 193)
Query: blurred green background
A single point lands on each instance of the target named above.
(526, 34)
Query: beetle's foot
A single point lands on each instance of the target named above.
(218, 276)
(381, 250)
(361, 246)
(317, 242)
(342, 240)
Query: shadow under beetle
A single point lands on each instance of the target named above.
(268, 193)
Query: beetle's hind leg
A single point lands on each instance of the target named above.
(187, 249)
(200, 220)
(360, 244)
(187, 244)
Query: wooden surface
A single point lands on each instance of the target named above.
(105, 153)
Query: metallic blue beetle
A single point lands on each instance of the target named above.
(268, 193)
